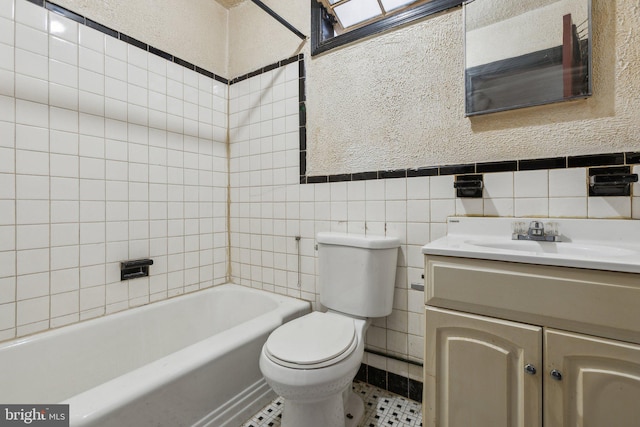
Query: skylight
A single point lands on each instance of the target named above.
(352, 14)
(335, 23)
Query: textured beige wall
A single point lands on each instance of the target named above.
(194, 30)
(397, 101)
(256, 39)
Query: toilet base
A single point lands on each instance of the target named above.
(355, 408)
(331, 412)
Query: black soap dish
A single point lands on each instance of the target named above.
(134, 269)
(614, 181)
(468, 186)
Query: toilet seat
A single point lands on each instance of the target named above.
(312, 341)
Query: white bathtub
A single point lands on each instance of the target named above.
(191, 360)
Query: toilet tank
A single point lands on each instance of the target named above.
(357, 273)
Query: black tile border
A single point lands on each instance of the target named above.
(538, 164)
(429, 171)
(377, 377)
(161, 53)
(339, 178)
(389, 174)
(316, 179)
(137, 43)
(457, 169)
(591, 160)
(364, 176)
(266, 68)
(415, 390)
(632, 158)
(184, 63)
(596, 160)
(508, 166)
(397, 384)
(106, 30)
(62, 11)
(362, 373)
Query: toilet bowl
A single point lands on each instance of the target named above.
(311, 362)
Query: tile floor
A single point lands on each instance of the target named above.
(381, 408)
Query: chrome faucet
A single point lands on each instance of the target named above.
(536, 231)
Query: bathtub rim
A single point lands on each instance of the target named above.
(53, 332)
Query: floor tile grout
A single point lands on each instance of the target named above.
(381, 408)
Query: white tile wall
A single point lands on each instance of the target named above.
(269, 208)
(109, 153)
(265, 196)
(90, 160)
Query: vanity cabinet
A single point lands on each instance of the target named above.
(475, 371)
(521, 345)
(599, 383)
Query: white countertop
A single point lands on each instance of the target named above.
(599, 244)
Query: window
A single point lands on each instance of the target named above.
(338, 22)
(350, 14)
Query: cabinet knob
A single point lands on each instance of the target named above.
(530, 369)
(556, 375)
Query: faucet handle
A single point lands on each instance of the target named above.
(551, 229)
(518, 227)
(536, 228)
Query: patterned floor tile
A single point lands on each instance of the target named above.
(381, 408)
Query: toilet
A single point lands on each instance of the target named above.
(311, 361)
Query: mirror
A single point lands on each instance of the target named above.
(524, 53)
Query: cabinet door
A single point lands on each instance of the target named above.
(481, 372)
(596, 381)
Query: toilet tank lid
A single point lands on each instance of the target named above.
(358, 240)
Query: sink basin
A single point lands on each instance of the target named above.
(561, 248)
(585, 243)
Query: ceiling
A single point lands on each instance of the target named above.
(229, 3)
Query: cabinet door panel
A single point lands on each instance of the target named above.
(475, 371)
(600, 384)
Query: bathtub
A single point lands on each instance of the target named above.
(187, 361)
